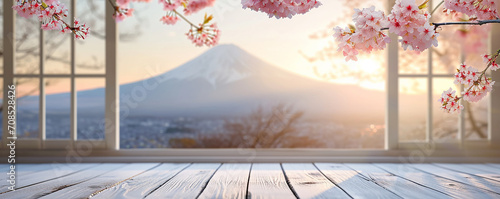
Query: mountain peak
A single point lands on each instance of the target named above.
(221, 64)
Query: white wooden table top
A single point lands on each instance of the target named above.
(257, 180)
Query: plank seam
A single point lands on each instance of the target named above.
(119, 182)
(25, 186)
(456, 181)
(247, 194)
(206, 183)
(288, 182)
(467, 172)
(371, 179)
(332, 181)
(413, 181)
(168, 180)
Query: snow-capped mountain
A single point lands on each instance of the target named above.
(227, 80)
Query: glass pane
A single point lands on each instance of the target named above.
(27, 107)
(57, 108)
(476, 119)
(411, 62)
(445, 125)
(57, 49)
(27, 45)
(90, 108)
(90, 52)
(412, 109)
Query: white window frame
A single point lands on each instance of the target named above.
(110, 146)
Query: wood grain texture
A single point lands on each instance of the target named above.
(356, 185)
(494, 165)
(481, 170)
(189, 183)
(230, 181)
(268, 181)
(141, 185)
(107, 180)
(400, 186)
(52, 186)
(308, 182)
(450, 187)
(28, 174)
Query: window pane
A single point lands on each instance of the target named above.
(476, 119)
(57, 108)
(27, 107)
(90, 52)
(57, 49)
(411, 62)
(445, 125)
(90, 108)
(27, 45)
(412, 109)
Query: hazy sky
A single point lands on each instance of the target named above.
(161, 47)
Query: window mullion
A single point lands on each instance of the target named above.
(494, 102)
(73, 111)
(41, 99)
(392, 120)
(9, 40)
(112, 117)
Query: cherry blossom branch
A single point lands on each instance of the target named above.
(478, 22)
(185, 19)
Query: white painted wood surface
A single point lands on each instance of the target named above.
(357, 186)
(465, 178)
(308, 182)
(188, 183)
(453, 188)
(107, 180)
(52, 186)
(230, 181)
(28, 174)
(268, 181)
(141, 185)
(396, 184)
(491, 175)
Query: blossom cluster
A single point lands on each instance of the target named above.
(190, 6)
(204, 34)
(412, 24)
(50, 13)
(122, 10)
(406, 20)
(365, 36)
(478, 9)
(449, 101)
(281, 8)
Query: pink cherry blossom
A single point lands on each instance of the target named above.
(478, 90)
(204, 35)
(480, 9)
(194, 6)
(281, 8)
(489, 59)
(466, 75)
(449, 102)
(122, 13)
(365, 36)
(412, 24)
(169, 19)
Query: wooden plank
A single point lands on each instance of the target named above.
(308, 182)
(490, 174)
(268, 181)
(189, 183)
(28, 174)
(49, 187)
(357, 186)
(493, 165)
(230, 181)
(452, 188)
(88, 188)
(400, 186)
(141, 185)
